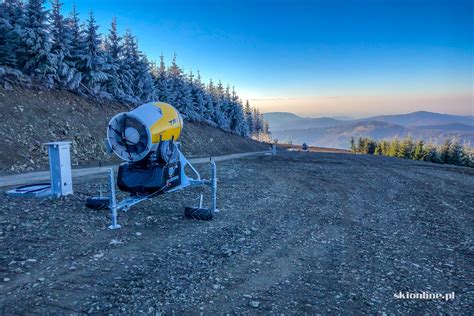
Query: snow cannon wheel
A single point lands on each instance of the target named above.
(97, 203)
(199, 213)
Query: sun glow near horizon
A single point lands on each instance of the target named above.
(359, 105)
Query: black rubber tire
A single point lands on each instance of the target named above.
(203, 214)
(97, 203)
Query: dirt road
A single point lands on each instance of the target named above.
(300, 232)
(98, 172)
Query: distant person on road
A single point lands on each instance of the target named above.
(305, 147)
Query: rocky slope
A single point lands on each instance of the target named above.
(29, 118)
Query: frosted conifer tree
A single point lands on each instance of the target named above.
(137, 65)
(237, 121)
(161, 81)
(8, 35)
(206, 109)
(145, 83)
(180, 91)
(213, 103)
(249, 118)
(197, 96)
(113, 50)
(66, 74)
(35, 58)
(221, 107)
(93, 64)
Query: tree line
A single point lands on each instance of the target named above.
(58, 52)
(450, 152)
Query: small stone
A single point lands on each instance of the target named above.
(138, 233)
(41, 279)
(115, 242)
(254, 304)
(6, 279)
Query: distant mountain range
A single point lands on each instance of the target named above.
(334, 132)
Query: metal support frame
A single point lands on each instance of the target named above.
(185, 182)
(113, 201)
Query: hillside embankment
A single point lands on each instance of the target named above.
(297, 233)
(29, 118)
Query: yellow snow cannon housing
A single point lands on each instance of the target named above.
(134, 135)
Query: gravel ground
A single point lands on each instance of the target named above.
(297, 233)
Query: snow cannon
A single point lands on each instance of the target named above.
(135, 135)
(146, 138)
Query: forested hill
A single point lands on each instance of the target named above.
(44, 47)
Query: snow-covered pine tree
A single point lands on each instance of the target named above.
(137, 65)
(13, 12)
(35, 58)
(76, 47)
(8, 35)
(456, 152)
(161, 81)
(113, 50)
(221, 107)
(249, 118)
(180, 91)
(444, 154)
(130, 59)
(213, 103)
(145, 82)
(237, 121)
(66, 74)
(257, 122)
(93, 65)
(207, 108)
(197, 96)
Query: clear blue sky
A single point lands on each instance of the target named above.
(296, 54)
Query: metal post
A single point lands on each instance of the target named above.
(274, 149)
(113, 201)
(214, 186)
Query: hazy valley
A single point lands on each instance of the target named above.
(332, 132)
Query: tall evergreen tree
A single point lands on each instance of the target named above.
(418, 152)
(394, 148)
(35, 58)
(430, 154)
(116, 73)
(221, 107)
(66, 74)
(93, 64)
(77, 44)
(378, 149)
(213, 103)
(353, 146)
(8, 34)
(198, 96)
(444, 154)
(236, 117)
(406, 148)
(249, 117)
(161, 81)
(455, 153)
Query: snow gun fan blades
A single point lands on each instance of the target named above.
(136, 134)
